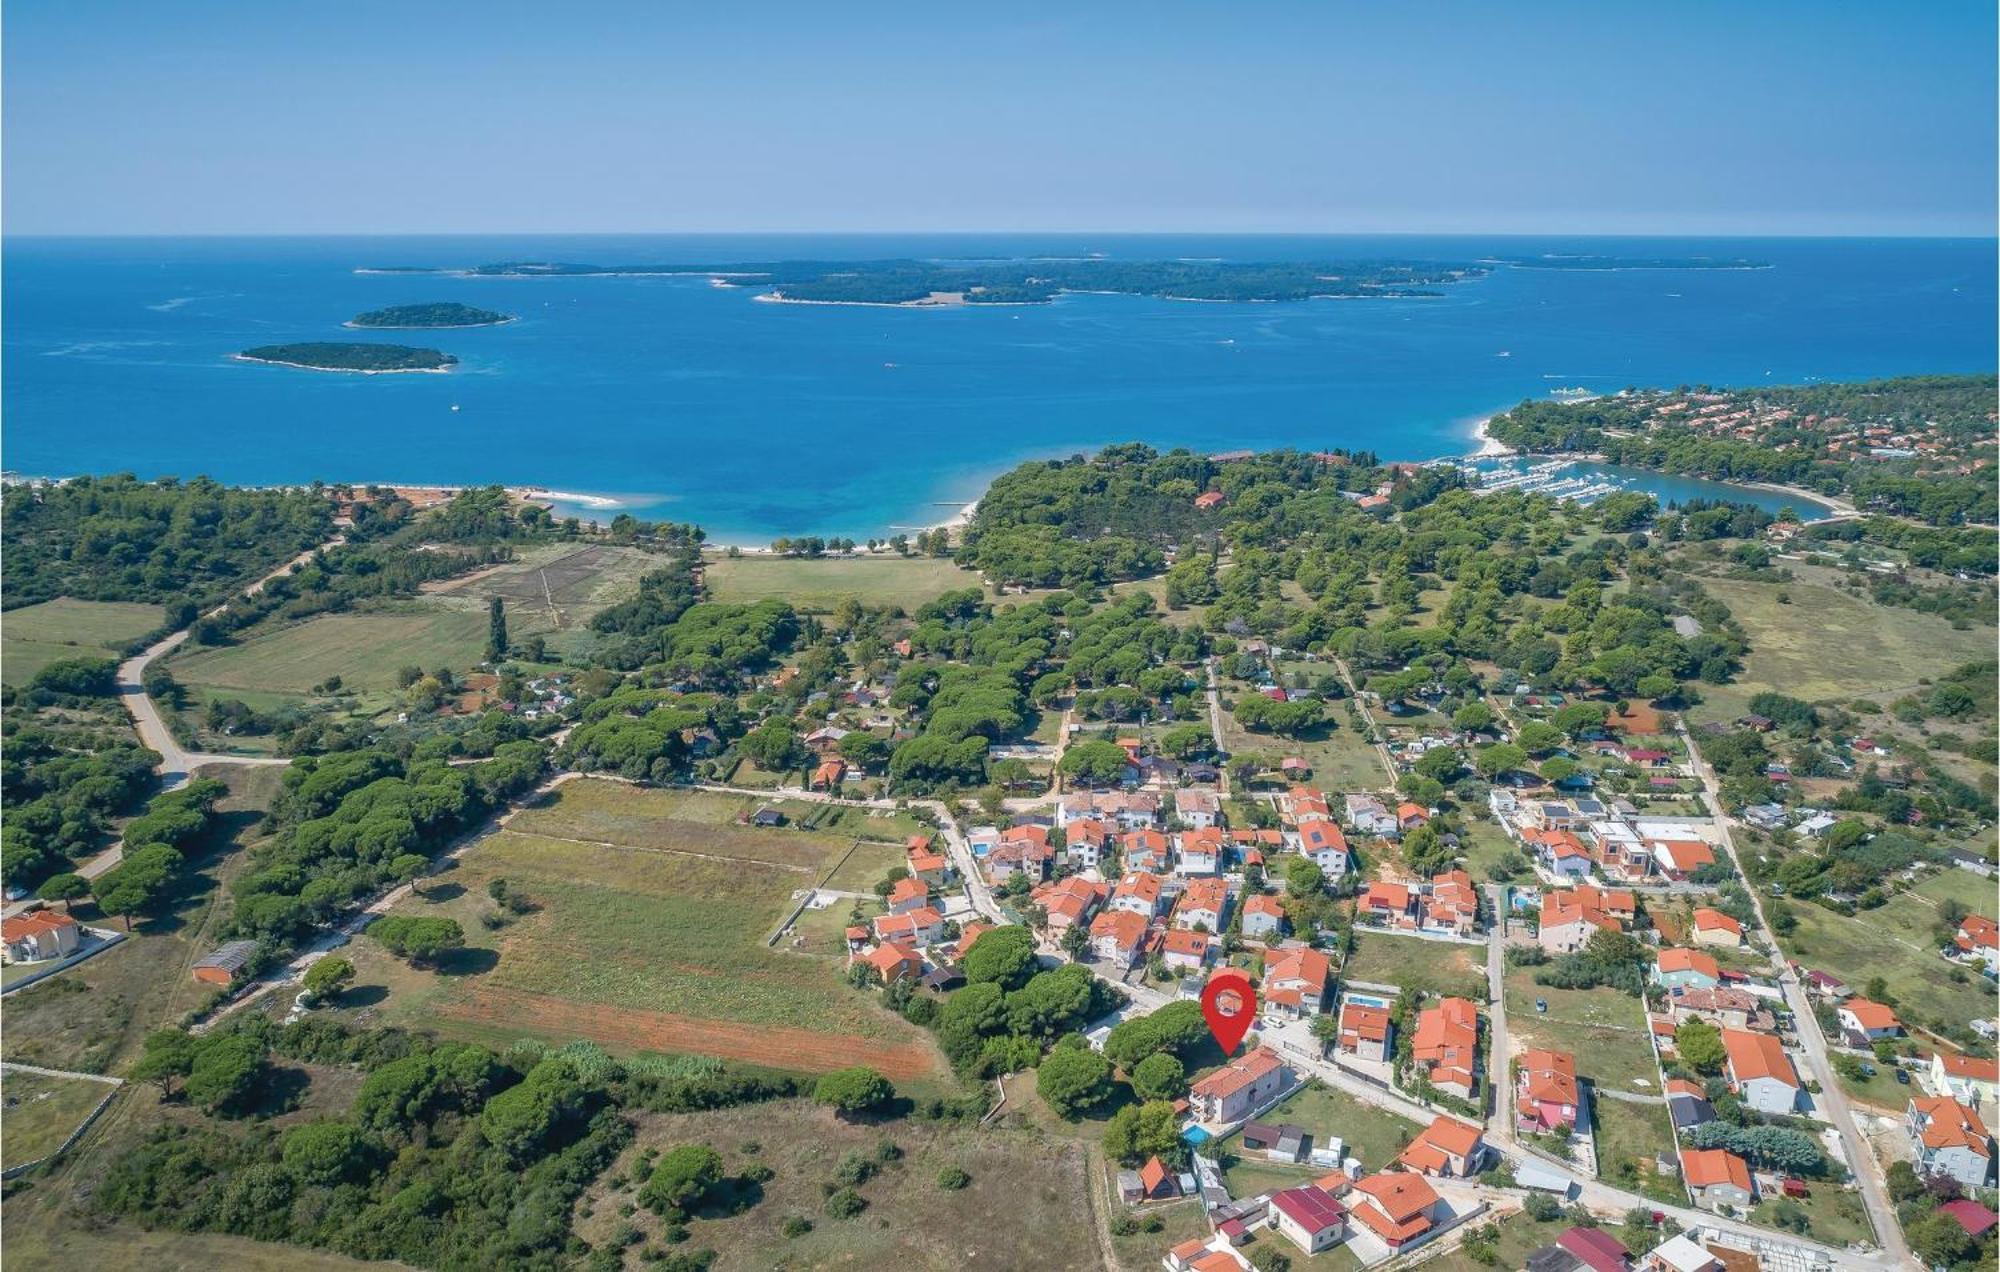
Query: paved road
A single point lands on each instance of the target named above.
(1831, 1099)
(1215, 720)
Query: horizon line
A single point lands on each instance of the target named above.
(1029, 233)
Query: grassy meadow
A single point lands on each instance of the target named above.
(34, 636)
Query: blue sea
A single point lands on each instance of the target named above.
(674, 398)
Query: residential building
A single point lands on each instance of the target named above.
(1241, 1087)
(1680, 968)
(1263, 917)
(1127, 810)
(1322, 843)
(1681, 1254)
(919, 927)
(1449, 905)
(1447, 1147)
(1386, 903)
(1199, 852)
(1020, 850)
(1559, 852)
(1966, 1079)
(1863, 1022)
(1198, 810)
(1309, 1217)
(1184, 950)
(1581, 1250)
(1302, 804)
(1204, 905)
(1119, 936)
(1445, 1049)
(1146, 850)
(1722, 1005)
(1365, 1031)
(40, 935)
(1296, 981)
(925, 862)
(893, 961)
(1760, 1072)
(1571, 916)
(1713, 927)
(1949, 1139)
(1068, 902)
(1281, 1143)
(1546, 1096)
(907, 895)
(1369, 816)
(1084, 842)
(1978, 940)
(1679, 858)
(1137, 892)
(1688, 1104)
(1717, 1177)
(1400, 1208)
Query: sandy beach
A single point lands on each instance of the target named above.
(1490, 447)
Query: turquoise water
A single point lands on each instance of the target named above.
(678, 399)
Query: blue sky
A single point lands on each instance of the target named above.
(370, 117)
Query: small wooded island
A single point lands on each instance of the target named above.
(369, 359)
(442, 313)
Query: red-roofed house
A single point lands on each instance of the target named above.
(1976, 1219)
(1119, 936)
(1204, 904)
(1084, 842)
(1449, 904)
(1545, 1092)
(919, 927)
(1680, 968)
(1447, 1147)
(1263, 917)
(1596, 1249)
(1446, 1047)
(39, 935)
(1570, 917)
(1713, 927)
(1137, 892)
(1296, 982)
(1978, 939)
(1410, 816)
(1322, 843)
(1863, 1021)
(828, 775)
(1199, 852)
(1246, 1083)
(1309, 1217)
(1760, 1072)
(1385, 903)
(894, 962)
(1147, 850)
(907, 895)
(1717, 1177)
(1400, 1208)
(1951, 1140)
(1184, 950)
(1365, 1031)
(1679, 858)
(1209, 499)
(1967, 1079)
(1068, 902)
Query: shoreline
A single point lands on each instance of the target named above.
(307, 366)
(445, 326)
(1490, 447)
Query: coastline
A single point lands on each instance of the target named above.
(307, 366)
(442, 326)
(1490, 447)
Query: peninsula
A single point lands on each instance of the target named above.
(435, 314)
(367, 359)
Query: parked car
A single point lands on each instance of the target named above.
(1903, 1077)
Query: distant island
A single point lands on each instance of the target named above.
(914, 283)
(442, 313)
(369, 359)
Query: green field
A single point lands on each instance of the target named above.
(34, 636)
(1342, 759)
(1408, 962)
(1026, 1207)
(364, 650)
(1836, 1215)
(1827, 644)
(555, 585)
(1372, 1134)
(906, 582)
(1894, 941)
(41, 1112)
(647, 933)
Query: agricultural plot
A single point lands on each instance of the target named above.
(364, 650)
(1409, 962)
(645, 934)
(1827, 644)
(560, 585)
(905, 582)
(1025, 1207)
(34, 636)
(42, 1112)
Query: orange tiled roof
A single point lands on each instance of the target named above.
(1680, 959)
(1706, 920)
(1948, 1124)
(1237, 1074)
(1757, 1055)
(1702, 1167)
(1871, 1015)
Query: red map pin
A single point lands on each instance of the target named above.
(1229, 1005)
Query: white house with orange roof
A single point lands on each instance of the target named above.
(925, 862)
(1449, 904)
(1147, 850)
(1679, 858)
(893, 961)
(1445, 1050)
(1951, 1140)
(1569, 918)
(1713, 927)
(1448, 1147)
(1084, 842)
(1241, 1087)
(1069, 902)
(1185, 950)
(1199, 852)
(1296, 981)
(1203, 904)
(1119, 936)
(1323, 844)
(1863, 1022)
(1366, 1031)
(1198, 809)
(1399, 1208)
(1138, 892)
(1978, 940)
(919, 927)
(40, 935)
(1760, 1072)
(1967, 1079)
(1263, 917)
(908, 894)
